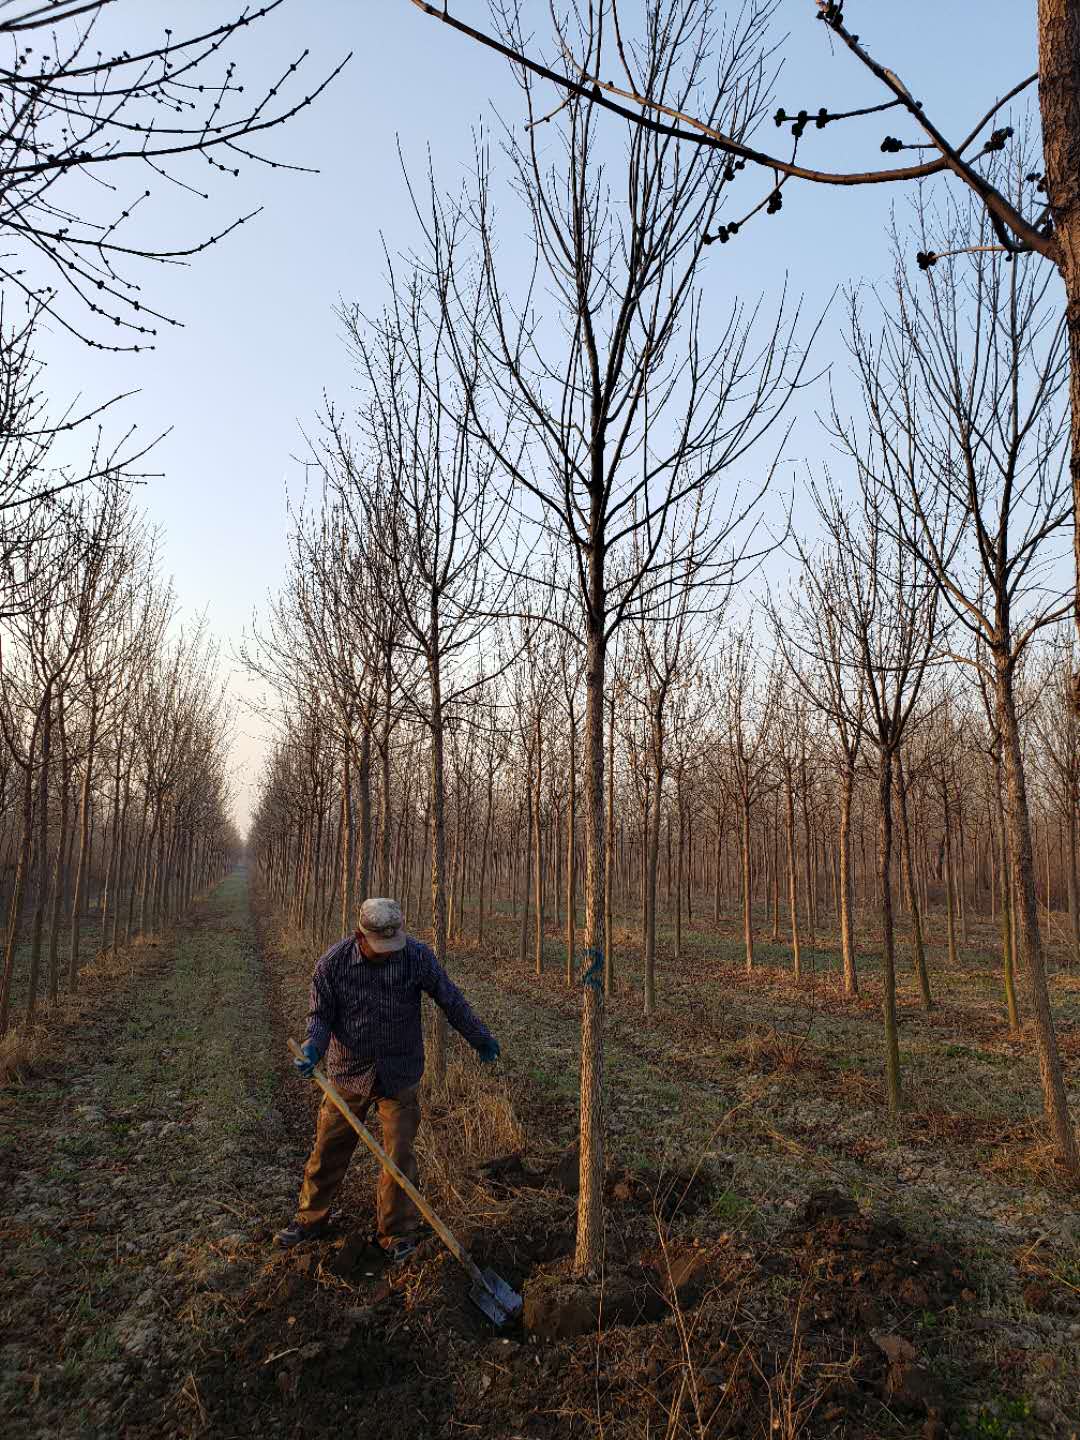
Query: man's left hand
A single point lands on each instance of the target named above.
(488, 1051)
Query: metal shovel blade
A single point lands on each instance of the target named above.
(495, 1298)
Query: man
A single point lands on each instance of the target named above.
(365, 1017)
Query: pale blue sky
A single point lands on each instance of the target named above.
(260, 342)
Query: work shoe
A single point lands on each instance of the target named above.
(296, 1234)
(398, 1251)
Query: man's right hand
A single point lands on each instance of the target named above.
(311, 1057)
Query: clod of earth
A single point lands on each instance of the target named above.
(557, 1309)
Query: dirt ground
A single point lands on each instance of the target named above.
(779, 1262)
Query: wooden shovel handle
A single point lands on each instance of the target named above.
(443, 1231)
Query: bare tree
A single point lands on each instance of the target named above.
(749, 694)
(963, 393)
(1042, 219)
(670, 644)
(618, 410)
(809, 634)
(430, 508)
(885, 616)
(88, 117)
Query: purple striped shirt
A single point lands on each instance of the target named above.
(365, 1014)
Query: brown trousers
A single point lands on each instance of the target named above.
(335, 1141)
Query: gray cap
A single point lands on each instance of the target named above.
(383, 925)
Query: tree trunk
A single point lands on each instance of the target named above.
(609, 869)
(121, 863)
(719, 859)
(847, 922)
(1006, 886)
(1059, 104)
(811, 908)
(1031, 951)
(652, 863)
(485, 846)
(438, 845)
(348, 854)
(793, 882)
(363, 797)
(950, 896)
(385, 877)
(680, 866)
(1070, 875)
(41, 898)
(588, 1251)
(776, 871)
(60, 854)
(888, 955)
(571, 858)
(538, 851)
(109, 905)
(21, 869)
(918, 949)
(747, 882)
(526, 879)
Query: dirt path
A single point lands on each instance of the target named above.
(133, 1166)
(144, 1168)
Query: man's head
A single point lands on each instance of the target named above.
(382, 925)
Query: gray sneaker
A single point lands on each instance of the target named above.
(297, 1234)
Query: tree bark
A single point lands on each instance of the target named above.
(438, 844)
(950, 894)
(588, 1250)
(609, 869)
(747, 886)
(811, 906)
(1070, 874)
(484, 848)
(348, 854)
(652, 863)
(793, 881)
(847, 925)
(526, 879)
(1006, 886)
(1059, 105)
(538, 852)
(41, 898)
(1055, 1100)
(571, 858)
(60, 854)
(918, 949)
(888, 956)
(21, 869)
(363, 798)
(680, 865)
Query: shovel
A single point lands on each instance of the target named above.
(489, 1293)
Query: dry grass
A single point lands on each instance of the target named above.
(769, 1052)
(26, 1046)
(470, 1120)
(19, 1049)
(1027, 1156)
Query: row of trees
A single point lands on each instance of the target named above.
(512, 796)
(566, 464)
(114, 790)
(114, 795)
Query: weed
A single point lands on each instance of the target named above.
(731, 1209)
(1001, 1420)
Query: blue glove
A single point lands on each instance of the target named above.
(312, 1056)
(488, 1051)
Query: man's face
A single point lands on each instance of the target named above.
(365, 949)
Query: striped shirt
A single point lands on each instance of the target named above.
(364, 1014)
